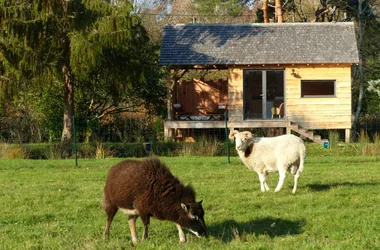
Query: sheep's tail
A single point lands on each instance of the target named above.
(302, 159)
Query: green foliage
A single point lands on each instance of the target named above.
(105, 51)
(374, 95)
(221, 7)
(51, 204)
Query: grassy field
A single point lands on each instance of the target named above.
(51, 204)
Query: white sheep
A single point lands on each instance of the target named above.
(276, 154)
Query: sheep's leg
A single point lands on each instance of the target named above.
(263, 182)
(110, 211)
(146, 221)
(266, 186)
(181, 234)
(296, 176)
(132, 227)
(281, 179)
(298, 172)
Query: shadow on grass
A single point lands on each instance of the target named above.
(273, 227)
(326, 187)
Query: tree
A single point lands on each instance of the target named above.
(265, 11)
(77, 42)
(104, 93)
(278, 8)
(365, 18)
(233, 8)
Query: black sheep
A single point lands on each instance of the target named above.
(148, 189)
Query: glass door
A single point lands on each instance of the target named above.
(253, 94)
(263, 93)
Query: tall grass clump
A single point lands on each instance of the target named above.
(333, 138)
(366, 147)
(376, 138)
(203, 147)
(8, 151)
(58, 151)
(3, 147)
(101, 152)
(186, 149)
(208, 146)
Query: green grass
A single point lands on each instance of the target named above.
(51, 204)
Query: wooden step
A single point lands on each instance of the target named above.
(317, 137)
(306, 133)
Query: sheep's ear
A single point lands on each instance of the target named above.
(185, 207)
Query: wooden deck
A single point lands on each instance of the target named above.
(273, 123)
(193, 124)
(172, 126)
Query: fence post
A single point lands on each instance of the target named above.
(226, 132)
(75, 143)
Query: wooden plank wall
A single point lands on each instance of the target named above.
(310, 113)
(322, 112)
(201, 97)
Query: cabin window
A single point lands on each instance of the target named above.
(318, 88)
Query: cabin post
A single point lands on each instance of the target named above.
(168, 134)
(169, 84)
(347, 135)
(288, 130)
(288, 127)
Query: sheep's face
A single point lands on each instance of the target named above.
(195, 214)
(242, 139)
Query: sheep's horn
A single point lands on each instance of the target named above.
(232, 133)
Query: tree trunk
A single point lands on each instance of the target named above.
(361, 27)
(68, 97)
(265, 11)
(68, 105)
(278, 9)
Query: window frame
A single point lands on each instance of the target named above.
(318, 96)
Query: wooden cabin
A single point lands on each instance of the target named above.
(280, 75)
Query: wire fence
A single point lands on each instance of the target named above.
(136, 135)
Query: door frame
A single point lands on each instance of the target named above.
(263, 93)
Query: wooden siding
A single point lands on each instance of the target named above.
(321, 112)
(310, 113)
